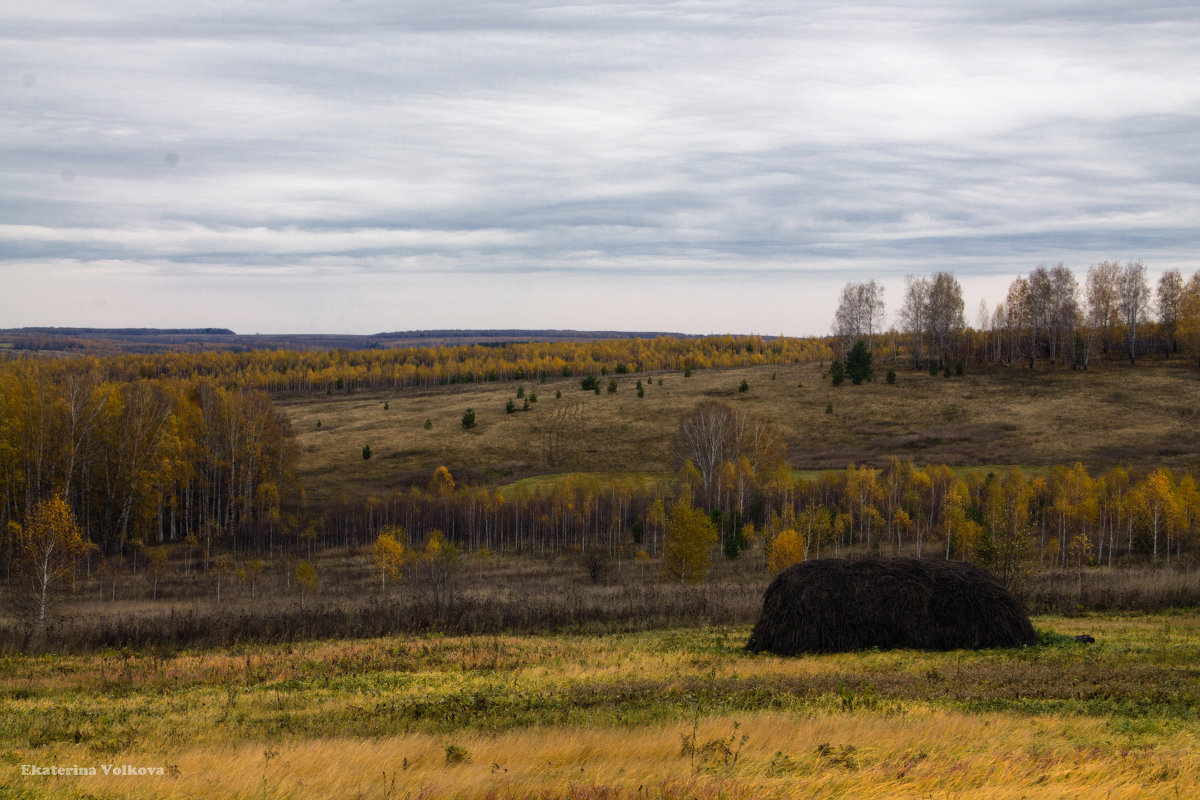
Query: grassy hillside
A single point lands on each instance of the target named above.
(1143, 416)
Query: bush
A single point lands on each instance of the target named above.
(520, 392)
(958, 368)
(589, 382)
(837, 373)
(829, 407)
(468, 419)
(743, 386)
(612, 386)
(510, 406)
(891, 376)
(933, 368)
(428, 424)
(366, 452)
(641, 390)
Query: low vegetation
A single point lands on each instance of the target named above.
(668, 714)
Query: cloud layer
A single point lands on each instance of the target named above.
(701, 166)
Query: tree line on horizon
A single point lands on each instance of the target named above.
(342, 370)
(1048, 316)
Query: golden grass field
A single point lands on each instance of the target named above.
(1141, 416)
(669, 714)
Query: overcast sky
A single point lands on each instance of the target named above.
(705, 167)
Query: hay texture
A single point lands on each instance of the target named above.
(832, 605)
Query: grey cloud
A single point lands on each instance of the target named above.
(643, 140)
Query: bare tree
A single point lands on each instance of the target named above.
(1038, 310)
(1102, 300)
(914, 314)
(1020, 318)
(860, 314)
(1064, 312)
(1133, 301)
(945, 314)
(713, 435)
(1170, 304)
(707, 438)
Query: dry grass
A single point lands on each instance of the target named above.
(911, 754)
(494, 595)
(1142, 416)
(648, 715)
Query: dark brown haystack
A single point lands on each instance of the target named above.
(831, 605)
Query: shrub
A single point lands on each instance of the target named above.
(891, 376)
(428, 424)
(743, 386)
(468, 419)
(510, 407)
(958, 367)
(588, 382)
(366, 452)
(612, 386)
(837, 373)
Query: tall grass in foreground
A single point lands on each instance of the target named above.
(915, 752)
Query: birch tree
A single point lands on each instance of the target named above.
(48, 547)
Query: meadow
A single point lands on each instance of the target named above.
(663, 714)
(1141, 417)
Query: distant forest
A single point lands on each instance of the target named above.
(188, 447)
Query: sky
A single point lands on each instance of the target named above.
(358, 166)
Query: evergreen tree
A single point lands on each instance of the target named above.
(858, 363)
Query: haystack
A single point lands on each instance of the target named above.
(832, 605)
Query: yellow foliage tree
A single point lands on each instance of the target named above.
(687, 543)
(47, 548)
(389, 554)
(787, 549)
(306, 579)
